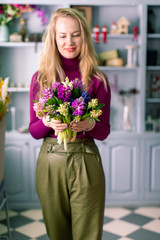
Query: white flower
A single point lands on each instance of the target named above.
(68, 83)
(4, 89)
(63, 109)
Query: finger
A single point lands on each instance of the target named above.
(46, 118)
(59, 127)
(55, 120)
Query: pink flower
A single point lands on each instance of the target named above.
(16, 5)
(22, 7)
(79, 106)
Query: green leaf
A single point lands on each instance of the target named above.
(99, 106)
(90, 119)
(76, 93)
(85, 115)
(97, 119)
(51, 101)
(58, 101)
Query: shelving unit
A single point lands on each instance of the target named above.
(153, 67)
(126, 162)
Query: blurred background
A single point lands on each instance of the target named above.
(126, 38)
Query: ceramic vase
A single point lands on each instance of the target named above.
(4, 33)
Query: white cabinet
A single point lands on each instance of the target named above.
(152, 169)
(16, 170)
(122, 164)
(21, 152)
(34, 150)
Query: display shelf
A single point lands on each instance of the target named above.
(15, 89)
(20, 44)
(117, 36)
(153, 35)
(123, 68)
(16, 134)
(153, 68)
(153, 100)
(32, 44)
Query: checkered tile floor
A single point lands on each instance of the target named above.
(141, 223)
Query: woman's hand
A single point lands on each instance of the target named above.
(84, 125)
(54, 124)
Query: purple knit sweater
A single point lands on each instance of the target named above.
(96, 90)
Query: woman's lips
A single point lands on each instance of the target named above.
(70, 49)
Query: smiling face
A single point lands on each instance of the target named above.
(68, 37)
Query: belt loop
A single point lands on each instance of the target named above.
(50, 148)
(82, 145)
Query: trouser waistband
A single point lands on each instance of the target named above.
(80, 145)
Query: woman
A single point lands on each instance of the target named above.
(70, 184)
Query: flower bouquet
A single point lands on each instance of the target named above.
(4, 97)
(8, 12)
(68, 102)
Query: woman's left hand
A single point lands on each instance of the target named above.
(82, 125)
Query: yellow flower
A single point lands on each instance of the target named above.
(4, 90)
(93, 103)
(96, 113)
(1, 84)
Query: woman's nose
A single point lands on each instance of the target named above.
(69, 40)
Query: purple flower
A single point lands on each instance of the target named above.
(64, 93)
(44, 21)
(78, 105)
(77, 83)
(47, 92)
(56, 85)
(40, 13)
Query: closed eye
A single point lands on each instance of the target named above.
(77, 35)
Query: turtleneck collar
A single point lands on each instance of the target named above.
(70, 63)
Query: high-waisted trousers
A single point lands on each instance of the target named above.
(71, 188)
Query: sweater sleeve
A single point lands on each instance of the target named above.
(36, 127)
(102, 128)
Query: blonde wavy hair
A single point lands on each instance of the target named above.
(50, 68)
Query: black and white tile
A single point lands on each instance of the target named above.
(120, 223)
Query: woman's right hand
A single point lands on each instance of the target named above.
(55, 124)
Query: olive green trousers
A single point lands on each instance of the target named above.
(71, 188)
